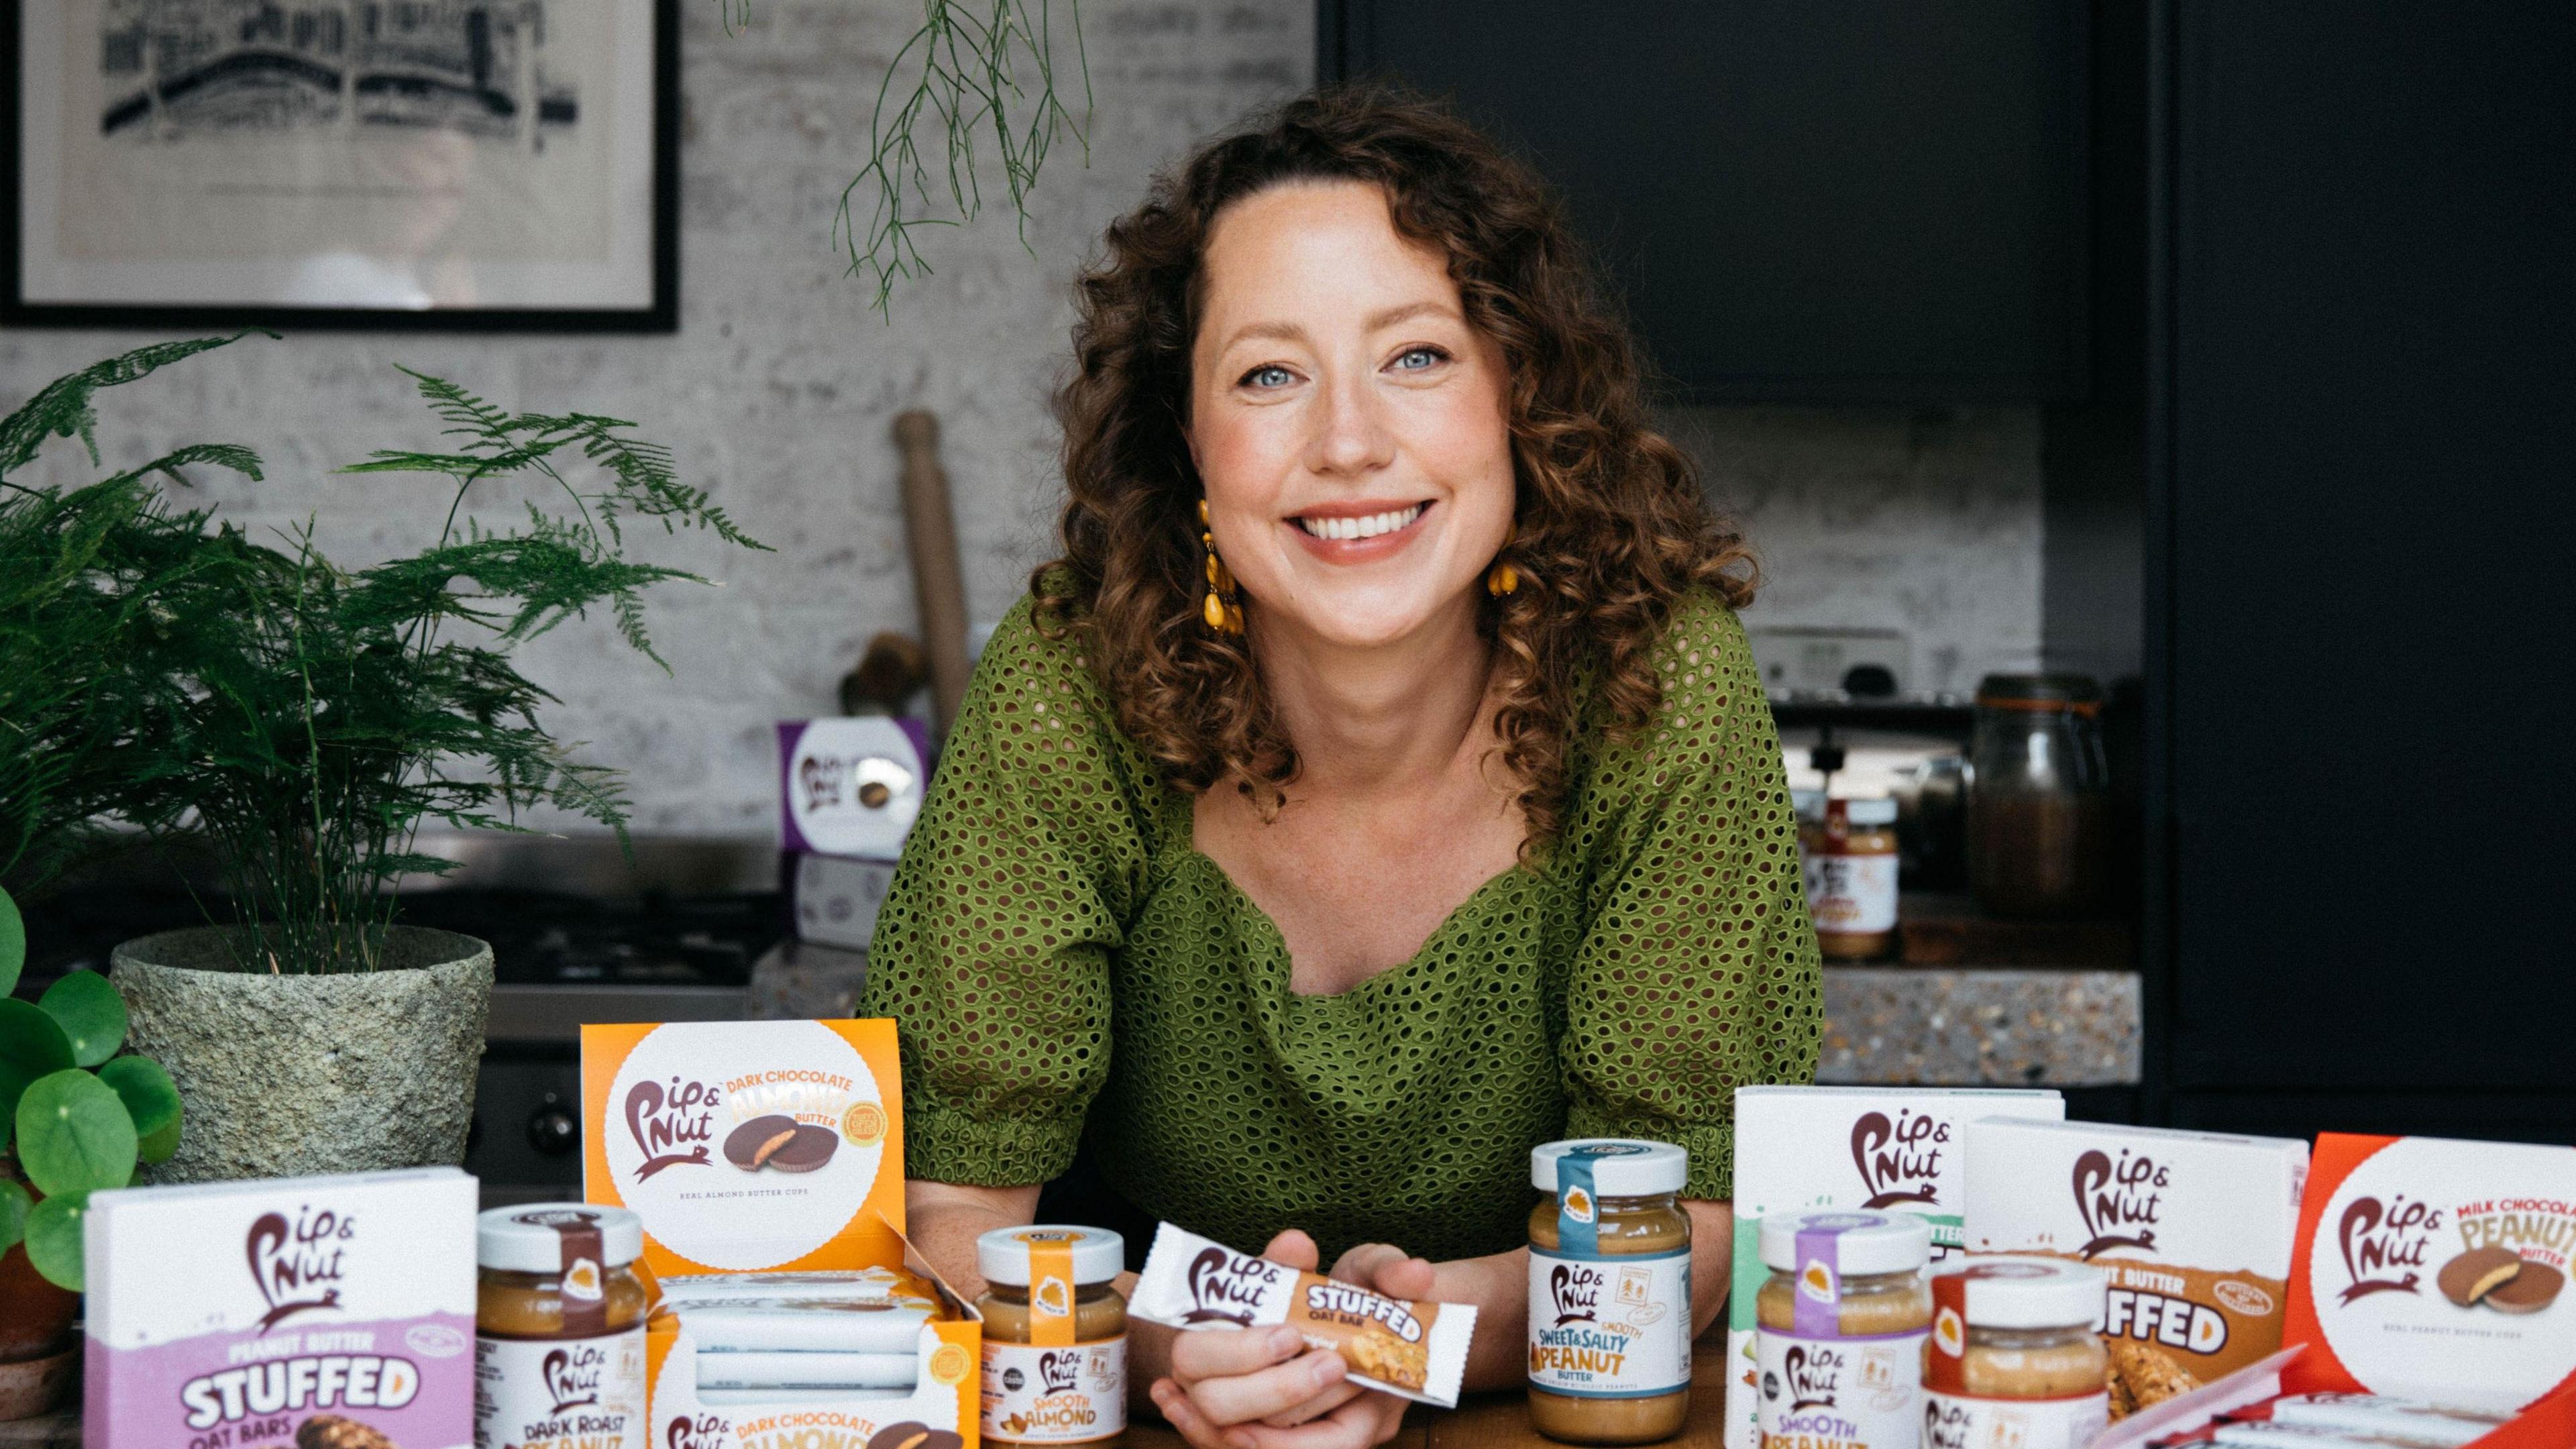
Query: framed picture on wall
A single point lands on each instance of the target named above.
(403, 164)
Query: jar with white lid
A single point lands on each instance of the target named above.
(1055, 1335)
(1609, 1291)
(1839, 1352)
(2013, 1356)
(559, 1326)
(1850, 856)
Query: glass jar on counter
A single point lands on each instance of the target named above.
(2013, 1355)
(1055, 1335)
(1845, 1307)
(1609, 1291)
(1849, 854)
(559, 1313)
(2039, 805)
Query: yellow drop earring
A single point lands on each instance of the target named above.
(1219, 609)
(1502, 578)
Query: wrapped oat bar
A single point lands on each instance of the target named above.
(2378, 1414)
(1415, 1351)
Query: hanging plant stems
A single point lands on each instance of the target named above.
(966, 62)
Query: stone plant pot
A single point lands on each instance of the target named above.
(280, 1076)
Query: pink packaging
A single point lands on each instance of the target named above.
(323, 1312)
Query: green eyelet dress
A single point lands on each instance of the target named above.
(1062, 961)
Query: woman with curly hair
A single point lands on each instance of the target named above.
(1379, 785)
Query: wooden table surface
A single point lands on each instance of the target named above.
(1481, 1421)
(1501, 1420)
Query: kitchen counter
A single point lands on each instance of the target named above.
(1951, 1026)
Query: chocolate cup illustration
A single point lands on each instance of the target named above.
(913, 1434)
(758, 1140)
(807, 1150)
(2476, 1273)
(2529, 1291)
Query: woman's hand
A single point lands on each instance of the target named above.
(1262, 1388)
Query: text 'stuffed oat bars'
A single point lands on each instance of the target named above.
(1417, 1351)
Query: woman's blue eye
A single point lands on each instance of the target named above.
(1430, 356)
(1271, 375)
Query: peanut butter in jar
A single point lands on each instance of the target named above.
(2013, 1345)
(559, 1315)
(1845, 1305)
(1609, 1292)
(1055, 1335)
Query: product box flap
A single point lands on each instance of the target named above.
(2095, 1190)
(2435, 1269)
(748, 1146)
(261, 1256)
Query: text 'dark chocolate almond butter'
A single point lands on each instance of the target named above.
(2476, 1273)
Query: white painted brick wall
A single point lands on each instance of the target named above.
(779, 389)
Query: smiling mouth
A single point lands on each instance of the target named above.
(1366, 526)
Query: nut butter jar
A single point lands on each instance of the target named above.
(1055, 1335)
(1850, 858)
(2013, 1357)
(1609, 1291)
(559, 1327)
(1838, 1355)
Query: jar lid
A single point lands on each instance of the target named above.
(2025, 1292)
(1873, 810)
(1621, 1166)
(1002, 1255)
(1838, 1245)
(531, 1238)
(2038, 691)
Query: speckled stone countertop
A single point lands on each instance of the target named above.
(1965, 1027)
(1934, 1026)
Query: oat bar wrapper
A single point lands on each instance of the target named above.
(1416, 1351)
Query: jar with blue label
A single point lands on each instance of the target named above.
(1838, 1356)
(1609, 1291)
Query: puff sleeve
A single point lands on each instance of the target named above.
(992, 952)
(1696, 968)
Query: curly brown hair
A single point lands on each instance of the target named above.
(1610, 524)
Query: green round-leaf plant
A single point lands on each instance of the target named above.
(32, 1045)
(151, 1098)
(13, 944)
(14, 1203)
(54, 1238)
(158, 1147)
(89, 1012)
(74, 1135)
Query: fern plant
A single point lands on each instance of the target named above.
(307, 719)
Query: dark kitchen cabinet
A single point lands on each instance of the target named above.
(1860, 201)
(2361, 445)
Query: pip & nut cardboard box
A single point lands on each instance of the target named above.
(284, 1311)
(2194, 1229)
(1809, 1149)
(768, 1147)
(2436, 1269)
